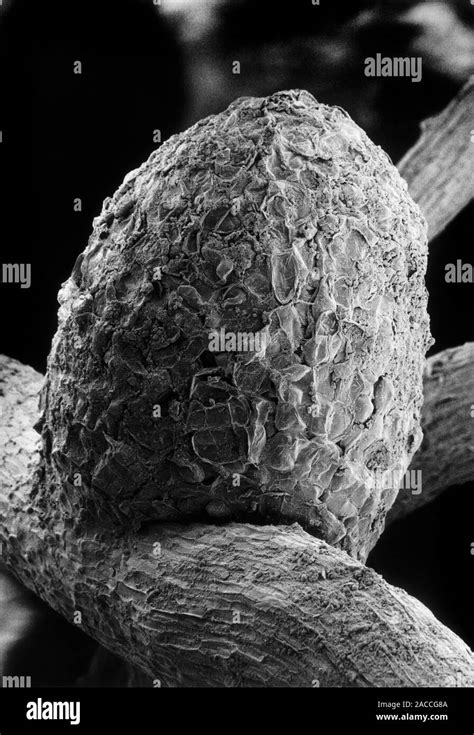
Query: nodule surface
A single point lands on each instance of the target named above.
(244, 335)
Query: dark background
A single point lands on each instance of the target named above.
(146, 68)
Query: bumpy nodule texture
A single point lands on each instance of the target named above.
(243, 337)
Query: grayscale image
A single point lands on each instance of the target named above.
(237, 367)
